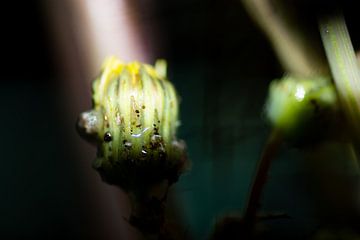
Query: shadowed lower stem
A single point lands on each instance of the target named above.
(270, 150)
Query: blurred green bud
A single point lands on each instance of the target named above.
(304, 110)
(133, 122)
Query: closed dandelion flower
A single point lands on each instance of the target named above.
(133, 122)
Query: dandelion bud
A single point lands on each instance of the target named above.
(302, 109)
(134, 121)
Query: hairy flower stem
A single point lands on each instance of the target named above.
(270, 150)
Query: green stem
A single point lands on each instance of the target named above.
(344, 67)
(270, 150)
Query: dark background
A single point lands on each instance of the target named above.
(221, 65)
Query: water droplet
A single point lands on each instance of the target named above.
(127, 144)
(155, 138)
(107, 137)
(140, 134)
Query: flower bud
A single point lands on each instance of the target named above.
(135, 117)
(302, 109)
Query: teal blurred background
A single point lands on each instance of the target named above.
(221, 65)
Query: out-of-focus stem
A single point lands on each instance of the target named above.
(270, 150)
(84, 32)
(292, 46)
(344, 68)
(110, 27)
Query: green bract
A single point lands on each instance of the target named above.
(133, 122)
(302, 109)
